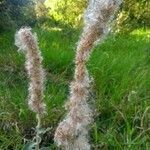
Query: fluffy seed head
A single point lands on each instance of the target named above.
(26, 41)
(72, 132)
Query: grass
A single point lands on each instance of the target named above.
(120, 68)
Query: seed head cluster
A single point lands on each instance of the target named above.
(27, 42)
(72, 132)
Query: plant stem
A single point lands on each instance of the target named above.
(38, 117)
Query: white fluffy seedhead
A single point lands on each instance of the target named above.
(81, 143)
(98, 16)
(72, 132)
(26, 41)
(100, 11)
(25, 38)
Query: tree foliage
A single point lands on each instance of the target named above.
(68, 11)
(16, 13)
(134, 13)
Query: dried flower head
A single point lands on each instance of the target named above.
(27, 42)
(72, 132)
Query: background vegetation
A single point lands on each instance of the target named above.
(133, 13)
(120, 67)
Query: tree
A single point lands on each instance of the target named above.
(134, 14)
(16, 13)
(67, 11)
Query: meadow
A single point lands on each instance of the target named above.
(120, 68)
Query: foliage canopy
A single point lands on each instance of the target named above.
(133, 13)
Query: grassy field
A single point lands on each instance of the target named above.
(120, 68)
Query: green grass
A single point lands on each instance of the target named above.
(120, 68)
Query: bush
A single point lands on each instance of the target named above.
(134, 14)
(16, 13)
(67, 11)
